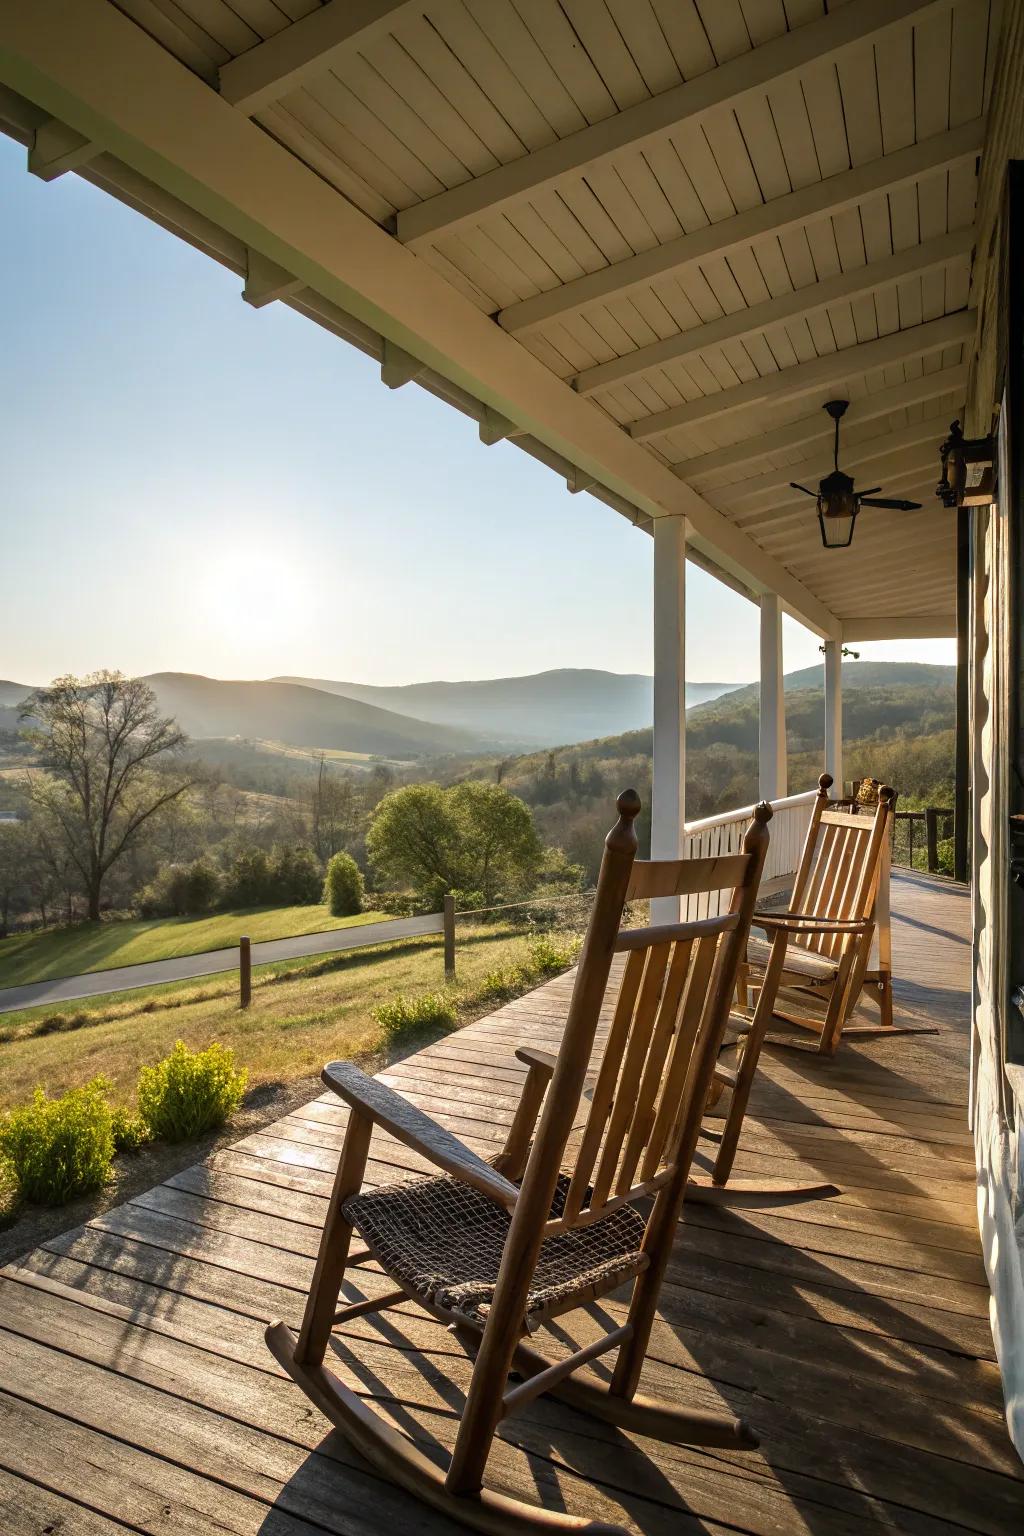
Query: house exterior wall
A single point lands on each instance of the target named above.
(995, 398)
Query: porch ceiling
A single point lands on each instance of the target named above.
(647, 239)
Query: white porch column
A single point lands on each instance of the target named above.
(772, 735)
(669, 758)
(834, 712)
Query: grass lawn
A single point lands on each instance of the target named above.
(56, 952)
(303, 1014)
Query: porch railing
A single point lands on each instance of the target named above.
(916, 839)
(724, 834)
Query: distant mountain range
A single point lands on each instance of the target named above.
(514, 714)
(542, 709)
(511, 714)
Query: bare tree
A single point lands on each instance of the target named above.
(333, 811)
(108, 765)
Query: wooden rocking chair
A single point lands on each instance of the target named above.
(496, 1249)
(820, 948)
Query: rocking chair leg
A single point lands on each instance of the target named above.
(322, 1302)
(643, 1415)
(751, 1055)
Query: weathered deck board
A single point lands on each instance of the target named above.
(136, 1391)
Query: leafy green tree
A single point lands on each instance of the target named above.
(15, 887)
(182, 890)
(247, 881)
(469, 837)
(296, 878)
(343, 886)
(108, 763)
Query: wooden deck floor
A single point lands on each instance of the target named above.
(137, 1392)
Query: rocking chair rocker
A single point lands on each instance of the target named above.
(496, 1249)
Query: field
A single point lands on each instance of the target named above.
(55, 952)
(303, 1014)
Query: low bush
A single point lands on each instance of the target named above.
(343, 886)
(504, 983)
(130, 1131)
(408, 1015)
(548, 956)
(59, 1149)
(190, 1092)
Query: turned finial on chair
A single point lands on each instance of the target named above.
(623, 835)
(886, 793)
(825, 782)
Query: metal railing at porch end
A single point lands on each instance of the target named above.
(923, 829)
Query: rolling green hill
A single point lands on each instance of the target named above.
(299, 717)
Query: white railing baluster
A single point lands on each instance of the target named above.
(721, 834)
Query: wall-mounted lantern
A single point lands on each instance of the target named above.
(968, 479)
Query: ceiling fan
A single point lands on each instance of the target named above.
(838, 502)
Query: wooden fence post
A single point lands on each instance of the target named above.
(931, 825)
(449, 938)
(244, 973)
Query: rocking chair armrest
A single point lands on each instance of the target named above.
(800, 922)
(544, 1061)
(369, 1097)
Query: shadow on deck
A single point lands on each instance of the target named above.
(852, 1333)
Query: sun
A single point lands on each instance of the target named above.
(253, 602)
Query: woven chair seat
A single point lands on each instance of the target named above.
(443, 1241)
(799, 961)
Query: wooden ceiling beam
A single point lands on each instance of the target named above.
(815, 427)
(900, 626)
(820, 200)
(307, 47)
(805, 378)
(798, 304)
(747, 75)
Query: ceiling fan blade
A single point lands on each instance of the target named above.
(794, 487)
(892, 506)
(873, 490)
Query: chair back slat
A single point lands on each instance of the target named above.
(625, 1100)
(661, 1040)
(837, 856)
(674, 1078)
(607, 1077)
(685, 877)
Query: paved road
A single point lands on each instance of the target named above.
(126, 978)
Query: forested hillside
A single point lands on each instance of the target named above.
(898, 727)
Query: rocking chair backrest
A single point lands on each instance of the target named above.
(843, 861)
(671, 1007)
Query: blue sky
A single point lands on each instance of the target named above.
(189, 484)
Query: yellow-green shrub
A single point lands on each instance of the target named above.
(58, 1149)
(408, 1015)
(190, 1092)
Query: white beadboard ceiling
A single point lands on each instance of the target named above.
(706, 217)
